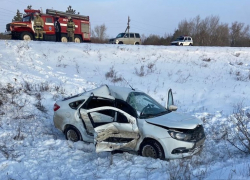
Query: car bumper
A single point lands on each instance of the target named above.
(175, 149)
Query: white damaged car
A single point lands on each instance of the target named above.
(119, 118)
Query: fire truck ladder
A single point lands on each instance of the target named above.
(61, 13)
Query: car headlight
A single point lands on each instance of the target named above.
(180, 135)
(117, 41)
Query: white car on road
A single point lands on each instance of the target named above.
(119, 118)
(183, 41)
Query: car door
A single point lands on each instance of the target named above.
(132, 38)
(122, 133)
(126, 39)
(49, 25)
(184, 41)
(103, 117)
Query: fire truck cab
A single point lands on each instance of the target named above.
(24, 30)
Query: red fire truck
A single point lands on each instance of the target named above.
(24, 30)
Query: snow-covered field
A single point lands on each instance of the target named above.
(208, 82)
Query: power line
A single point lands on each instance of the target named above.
(17, 1)
(144, 29)
(119, 22)
(149, 25)
(4, 19)
(7, 10)
(114, 25)
(7, 15)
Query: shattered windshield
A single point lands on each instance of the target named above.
(145, 106)
(120, 35)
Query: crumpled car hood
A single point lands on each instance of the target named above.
(175, 120)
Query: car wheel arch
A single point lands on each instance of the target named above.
(151, 140)
(69, 126)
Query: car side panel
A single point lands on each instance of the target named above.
(98, 117)
(116, 135)
(116, 130)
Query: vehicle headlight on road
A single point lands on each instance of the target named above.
(180, 135)
(117, 41)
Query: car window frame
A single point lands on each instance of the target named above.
(137, 35)
(86, 104)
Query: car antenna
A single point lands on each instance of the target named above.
(129, 84)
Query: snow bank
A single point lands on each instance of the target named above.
(206, 81)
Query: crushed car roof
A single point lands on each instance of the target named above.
(111, 92)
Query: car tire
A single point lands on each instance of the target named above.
(181, 44)
(120, 42)
(26, 36)
(72, 134)
(152, 149)
(190, 44)
(64, 38)
(78, 39)
(137, 43)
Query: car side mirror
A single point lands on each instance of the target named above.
(172, 108)
(170, 103)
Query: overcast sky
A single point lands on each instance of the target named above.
(147, 16)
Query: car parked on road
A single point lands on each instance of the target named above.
(126, 38)
(119, 118)
(183, 41)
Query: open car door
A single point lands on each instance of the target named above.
(122, 133)
(100, 118)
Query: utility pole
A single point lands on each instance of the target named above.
(128, 27)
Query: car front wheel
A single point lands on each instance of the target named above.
(72, 134)
(152, 149)
(26, 36)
